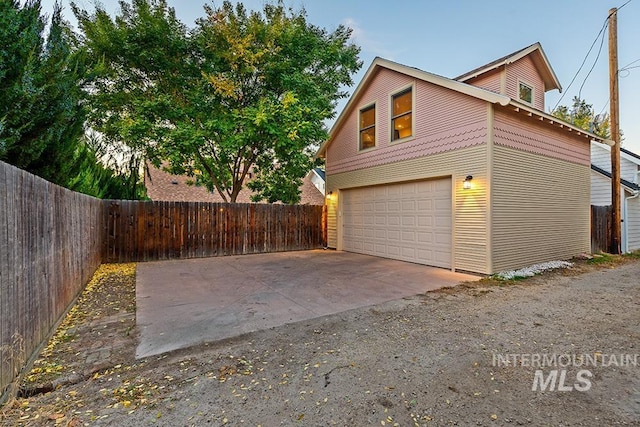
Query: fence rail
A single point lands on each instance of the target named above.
(146, 231)
(601, 224)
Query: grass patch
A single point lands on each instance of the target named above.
(601, 258)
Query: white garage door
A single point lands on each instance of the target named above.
(408, 221)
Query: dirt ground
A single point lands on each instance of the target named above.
(430, 360)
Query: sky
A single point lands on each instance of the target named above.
(450, 37)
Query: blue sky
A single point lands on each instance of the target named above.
(455, 36)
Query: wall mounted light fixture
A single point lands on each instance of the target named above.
(467, 182)
(329, 194)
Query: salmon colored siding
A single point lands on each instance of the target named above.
(444, 120)
(519, 131)
(539, 209)
(525, 70)
(491, 80)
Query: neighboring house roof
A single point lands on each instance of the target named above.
(320, 173)
(163, 186)
(539, 58)
(624, 153)
(635, 157)
(633, 187)
(458, 86)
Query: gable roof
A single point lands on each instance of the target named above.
(455, 85)
(631, 186)
(538, 56)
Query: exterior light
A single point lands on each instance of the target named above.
(329, 194)
(467, 182)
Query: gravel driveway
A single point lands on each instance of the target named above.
(436, 359)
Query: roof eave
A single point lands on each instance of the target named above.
(553, 120)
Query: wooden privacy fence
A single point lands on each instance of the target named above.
(52, 240)
(50, 244)
(601, 224)
(145, 231)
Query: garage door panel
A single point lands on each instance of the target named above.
(393, 235)
(408, 236)
(393, 206)
(424, 238)
(442, 239)
(425, 205)
(407, 221)
(408, 205)
(425, 221)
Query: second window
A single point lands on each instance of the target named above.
(401, 115)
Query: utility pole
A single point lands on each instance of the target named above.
(616, 229)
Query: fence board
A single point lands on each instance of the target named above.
(50, 246)
(162, 230)
(601, 227)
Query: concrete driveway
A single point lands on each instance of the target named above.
(186, 302)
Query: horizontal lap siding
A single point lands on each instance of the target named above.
(601, 157)
(470, 206)
(540, 209)
(633, 223)
(444, 120)
(600, 189)
(491, 80)
(524, 133)
(525, 70)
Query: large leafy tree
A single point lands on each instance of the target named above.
(242, 92)
(583, 116)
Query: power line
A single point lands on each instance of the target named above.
(606, 22)
(592, 67)
(604, 26)
(626, 3)
(630, 63)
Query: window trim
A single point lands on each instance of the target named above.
(533, 93)
(400, 91)
(365, 107)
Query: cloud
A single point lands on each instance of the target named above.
(368, 43)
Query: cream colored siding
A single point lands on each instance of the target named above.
(540, 209)
(633, 223)
(600, 189)
(469, 206)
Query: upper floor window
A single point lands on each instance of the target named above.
(525, 92)
(367, 127)
(401, 115)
